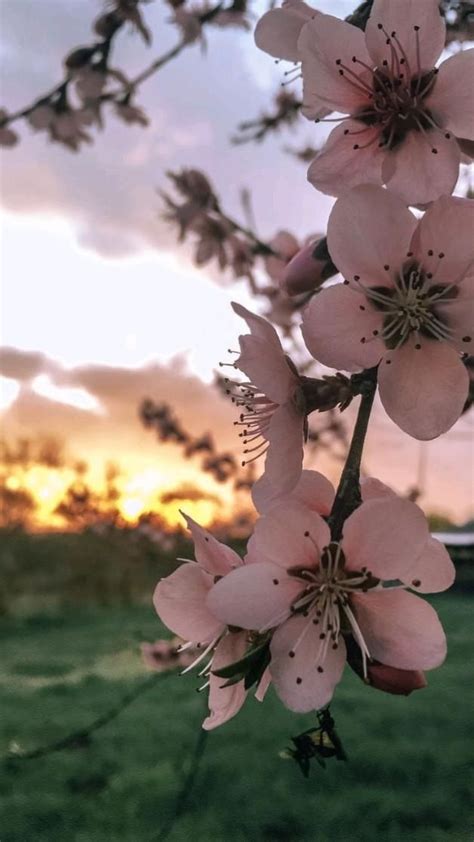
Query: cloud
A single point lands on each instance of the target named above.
(107, 190)
(116, 432)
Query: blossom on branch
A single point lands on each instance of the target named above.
(407, 303)
(313, 593)
(180, 601)
(404, 114)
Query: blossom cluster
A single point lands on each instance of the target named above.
(67, 113)
(334, 576)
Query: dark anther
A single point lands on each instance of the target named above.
(306, 534)
(467, 339)
(379, 26)
(416, 28)
(417, 346)
(388, 362)
(291, 654)
(430, 253)
(356, 146)
(416, 583)
(338, 61)
(386, 267)
(357, 277)
(322, 636)
(434, 151)
(375, 333)
(276, 581)
(299, 680)
(441, 255)
(346, 131)
(320, 669)
(361, 307)
(363, 340)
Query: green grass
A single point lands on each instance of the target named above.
(407, 779)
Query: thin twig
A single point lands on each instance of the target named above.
(80, 737)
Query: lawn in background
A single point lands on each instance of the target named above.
(407, 779)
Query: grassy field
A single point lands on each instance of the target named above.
(407, 779)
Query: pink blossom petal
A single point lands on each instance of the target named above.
(400, 629)
(280, 536)
(459, 316)
(180, 602)
(446, 228)
(423, 391)
(263, 685)
(284, 458)
(267, 368)
(340, 329)
(213, 556)
(386, 535)
(314, 491)
(258, 326)
(370, 209)
(256, 596)
(298, 682)
(225, 702)
(278, 30)
(433, 570)
(372, 489)
(339, 166)
(418, 175)
(322, 43)
(401, 17)
(452, 103)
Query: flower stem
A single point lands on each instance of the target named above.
(348, 493)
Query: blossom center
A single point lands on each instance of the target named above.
(396, 93)
(325, 601)
(410, 307)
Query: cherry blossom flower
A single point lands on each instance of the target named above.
(404, 114)
(180, 601)
(407, 304)
(312, 592)
(164, 655)
(273, 409)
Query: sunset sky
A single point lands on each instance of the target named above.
(101, 307)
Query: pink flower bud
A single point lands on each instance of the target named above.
(395, 681)
(306, 272)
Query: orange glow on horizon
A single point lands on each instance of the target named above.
(129, 497)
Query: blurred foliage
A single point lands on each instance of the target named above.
(407, 777)
(107, 566)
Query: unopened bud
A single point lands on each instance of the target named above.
(79, 58)
(308, 269)
(396, 681)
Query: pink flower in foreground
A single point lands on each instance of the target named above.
(407, 304)
(312, 592)
(180, 601)
(404, 114)
(273, 409)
